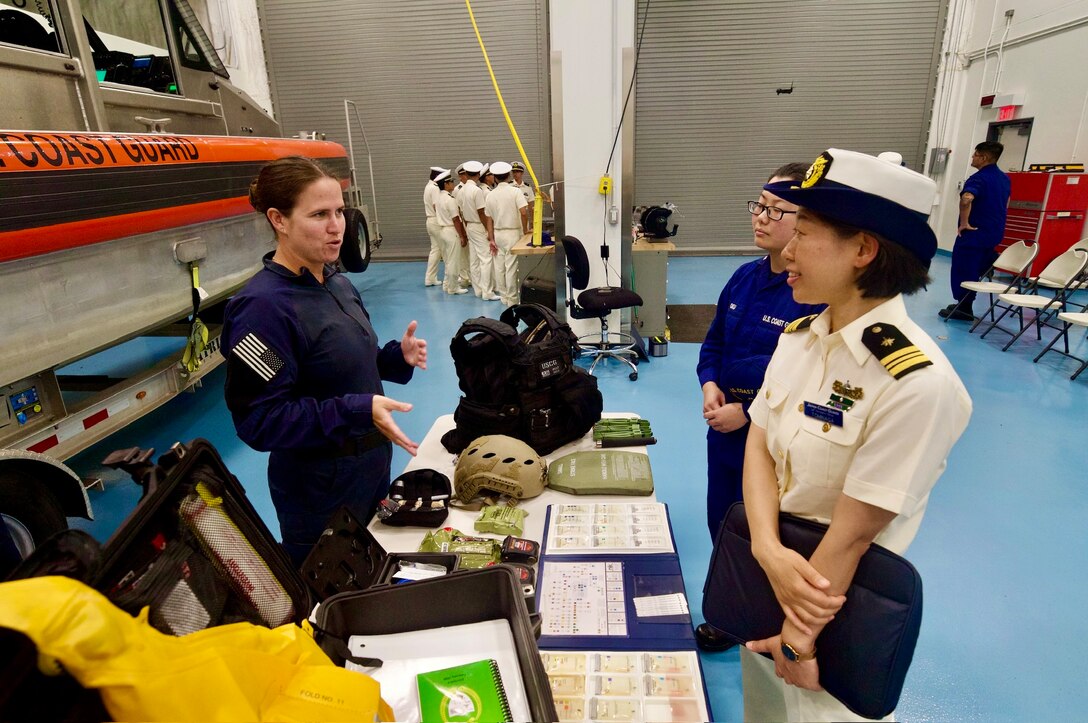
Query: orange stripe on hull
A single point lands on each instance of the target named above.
(47, 239)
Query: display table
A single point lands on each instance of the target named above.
(432, 455)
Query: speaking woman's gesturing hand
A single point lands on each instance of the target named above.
(413, 348)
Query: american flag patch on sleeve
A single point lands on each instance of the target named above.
(255, 354)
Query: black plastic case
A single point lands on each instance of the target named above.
(470, 596)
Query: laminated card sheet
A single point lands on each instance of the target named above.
(626, 685)
(628, 528)
(583, 598)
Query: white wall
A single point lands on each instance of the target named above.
(1044, 56)
(590, 38)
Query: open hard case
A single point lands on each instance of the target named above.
(197, 554)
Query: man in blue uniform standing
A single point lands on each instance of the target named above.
(754, 307)
(984, 201)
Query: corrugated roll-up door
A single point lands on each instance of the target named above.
(715, 114)
(424, 94)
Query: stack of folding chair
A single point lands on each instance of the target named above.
(1063, 275)
(1015, 262)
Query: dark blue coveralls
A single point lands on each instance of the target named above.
(973, 252)
(303, 365)
(754, 307)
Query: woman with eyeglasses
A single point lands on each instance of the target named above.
(753, 308)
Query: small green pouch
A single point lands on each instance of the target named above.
(501, 520)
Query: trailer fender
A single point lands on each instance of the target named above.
(64, 484)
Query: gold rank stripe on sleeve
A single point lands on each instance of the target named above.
(798, 324)
(895, 352)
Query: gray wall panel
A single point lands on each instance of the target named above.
(424, 94)
(710, 126)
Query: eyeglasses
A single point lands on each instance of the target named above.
(774, 213)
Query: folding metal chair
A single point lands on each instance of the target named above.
(1062, 274)
(1070, 319)
(1014, 260)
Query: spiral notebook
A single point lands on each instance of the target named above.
(472, 692)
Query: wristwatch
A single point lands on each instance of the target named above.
(793, 656)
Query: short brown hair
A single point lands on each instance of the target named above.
(894, 270)
(281, 182)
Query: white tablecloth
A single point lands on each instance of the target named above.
(433, 455)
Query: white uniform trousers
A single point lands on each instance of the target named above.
(480, 261)
(435, 255)
(768, 698)
(506, 266)
(451, 252)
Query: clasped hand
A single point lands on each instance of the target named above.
(800, 589)
(719, 416)
(803, 675)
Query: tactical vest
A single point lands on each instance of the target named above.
(523, 384)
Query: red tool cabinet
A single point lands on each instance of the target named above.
(1049, 209)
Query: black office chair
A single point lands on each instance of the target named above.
(598, 304)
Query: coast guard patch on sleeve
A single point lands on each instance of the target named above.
(255, 354)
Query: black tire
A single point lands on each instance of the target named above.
(633, 376)
(355, 251)
(29, 509)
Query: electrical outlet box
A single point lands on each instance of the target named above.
(606, 185)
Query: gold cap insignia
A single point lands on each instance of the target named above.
(817, 170)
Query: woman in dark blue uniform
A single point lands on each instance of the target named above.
(753, 308)
(304, 370)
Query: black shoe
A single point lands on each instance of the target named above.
(960, 314)
(711, 640)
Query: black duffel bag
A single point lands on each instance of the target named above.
(521, 382)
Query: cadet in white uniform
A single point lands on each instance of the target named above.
(506, 208)
(471, 202)
(430, 195)
(452, 233)
(518, 169)
(857, 414)
(462, 176)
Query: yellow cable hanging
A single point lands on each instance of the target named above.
(540, 196)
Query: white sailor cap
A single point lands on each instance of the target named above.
(443, 176)
(517, 166)
(437, 169)
(500, 167)
(472, 166)
(485, 169)
(459, 169)
(874, 193)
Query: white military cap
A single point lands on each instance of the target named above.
(874, 193)
(485, 169)
(437, 169)
(500, 167)
(442, 177)
(460, 169)
(472, 166)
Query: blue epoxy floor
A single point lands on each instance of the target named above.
(1002, 548)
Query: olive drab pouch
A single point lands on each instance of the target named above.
(521, 381)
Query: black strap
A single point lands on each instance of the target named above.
(340, 648)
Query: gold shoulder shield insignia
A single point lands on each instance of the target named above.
(895, 351)
(798, 324)
(817, 170)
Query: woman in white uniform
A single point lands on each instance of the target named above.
(857, 414)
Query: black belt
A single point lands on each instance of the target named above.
(360, 445)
